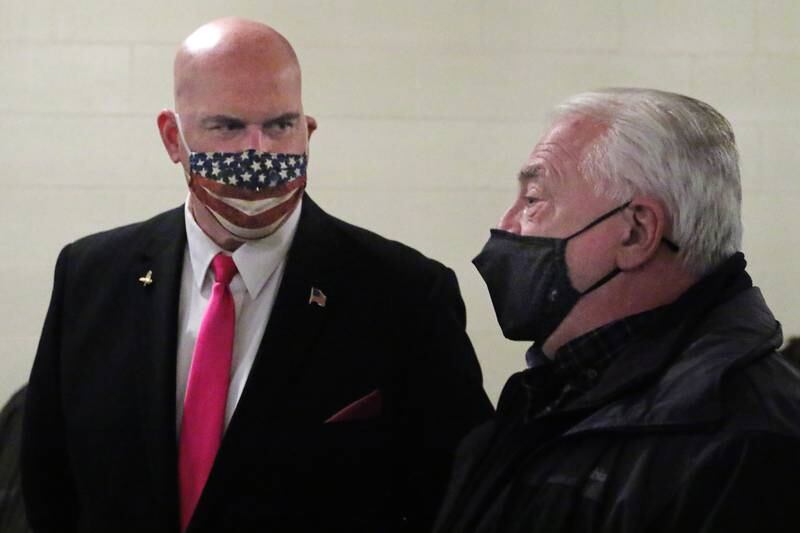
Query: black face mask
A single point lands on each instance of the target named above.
(528, 281)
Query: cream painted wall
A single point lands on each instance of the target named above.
(427, 108)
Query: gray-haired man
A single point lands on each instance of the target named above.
(654, 398)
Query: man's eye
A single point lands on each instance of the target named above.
(530, 200)
(282, 125)
(228, 126)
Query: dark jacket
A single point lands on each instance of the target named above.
(100, 443)
(695, 427)
(12, 509)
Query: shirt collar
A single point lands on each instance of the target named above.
(576, 366)
(584, 358)
(255, 260)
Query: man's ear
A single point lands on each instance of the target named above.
(168, 129)
(647, 222)
(311, 124)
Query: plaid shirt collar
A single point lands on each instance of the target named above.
(577, 365)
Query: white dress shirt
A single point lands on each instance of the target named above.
(260, 266)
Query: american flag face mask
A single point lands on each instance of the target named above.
(251, 192)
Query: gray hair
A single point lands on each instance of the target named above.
(676, 149)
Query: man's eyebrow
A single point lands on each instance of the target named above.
(534, 172)
(285, 117)
(228, 119)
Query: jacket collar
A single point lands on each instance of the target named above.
(671, 373)
(688, 392)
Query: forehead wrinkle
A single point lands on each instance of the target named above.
(555, 151)
(550, 160)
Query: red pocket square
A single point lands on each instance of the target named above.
(362, 409)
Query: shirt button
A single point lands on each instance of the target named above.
(591, 373)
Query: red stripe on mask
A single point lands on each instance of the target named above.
(243, 220)
(240, 193)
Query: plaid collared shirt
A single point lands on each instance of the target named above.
(576, 366)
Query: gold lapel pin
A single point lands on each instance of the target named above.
(147, 279)
(317, 297)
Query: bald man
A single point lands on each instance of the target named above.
(245, 361)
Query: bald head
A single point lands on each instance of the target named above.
(231, 46)
(237, 87)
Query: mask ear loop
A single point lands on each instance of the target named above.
(599, 220)
(602, 281)
(671, 245)
(605, 279)
(186, 172)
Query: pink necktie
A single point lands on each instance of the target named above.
(207, 390)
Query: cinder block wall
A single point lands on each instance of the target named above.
(426, 109)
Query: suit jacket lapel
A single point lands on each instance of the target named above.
(156, 308)
(295, 322)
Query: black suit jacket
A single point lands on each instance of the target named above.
(100, 447)
(12, 509)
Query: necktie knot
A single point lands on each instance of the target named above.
(224, 268)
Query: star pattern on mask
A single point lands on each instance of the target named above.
(252, 169)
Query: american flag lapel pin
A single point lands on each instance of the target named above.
(317, 297)
(147, 279)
